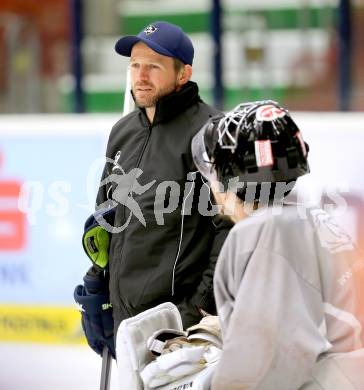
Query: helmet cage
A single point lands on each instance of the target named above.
(241, 144)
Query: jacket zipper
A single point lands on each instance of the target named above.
(181, 231)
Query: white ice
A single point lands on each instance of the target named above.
(50, 367)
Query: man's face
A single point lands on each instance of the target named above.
(152, 75)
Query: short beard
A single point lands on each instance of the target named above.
(153, 100)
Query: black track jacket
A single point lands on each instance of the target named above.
(168, 256)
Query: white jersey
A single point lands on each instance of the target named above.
(286, 287)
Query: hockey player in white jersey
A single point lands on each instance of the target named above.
(287, 281)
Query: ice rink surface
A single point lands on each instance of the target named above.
(50, 367)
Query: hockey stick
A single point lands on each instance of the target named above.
(105, 369)
(106, 356)
(128, 99)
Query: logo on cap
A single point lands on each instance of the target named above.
(150, 29)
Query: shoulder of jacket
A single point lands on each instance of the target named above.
(210, 110)
(274, 219)
(200, 113)
(125, 120)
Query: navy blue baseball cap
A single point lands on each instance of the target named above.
(164, 38)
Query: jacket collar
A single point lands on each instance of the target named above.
(173, 104)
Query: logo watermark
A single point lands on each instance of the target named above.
(127, 190)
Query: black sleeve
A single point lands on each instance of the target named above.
(202, 300)
(102, 191)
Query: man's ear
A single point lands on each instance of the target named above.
(184, 75)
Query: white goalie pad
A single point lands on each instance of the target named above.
(198, 381)
(184, 360)
(132, 353)
(191, 367)
(186, 368)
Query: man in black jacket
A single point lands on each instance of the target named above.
(165, 240)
